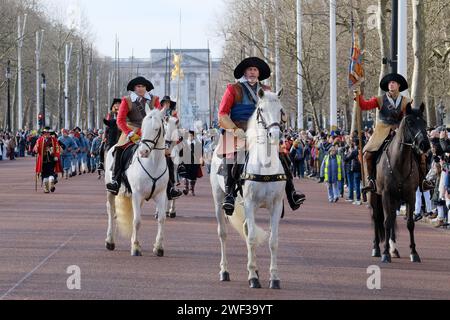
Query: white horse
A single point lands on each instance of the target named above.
(263, 163)
(148, 177)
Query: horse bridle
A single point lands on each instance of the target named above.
(260, 120)
(155, 141)
(414, 145)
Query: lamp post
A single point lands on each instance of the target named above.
(8, 112)
(44, 87)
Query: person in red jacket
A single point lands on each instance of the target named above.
(48, 163)
(237, 106)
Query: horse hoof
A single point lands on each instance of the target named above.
(415, 258)
(167, 214)
(376, 253)
(224, 277)
(386, 258)
(395, 254)
(173, 215)
(275, 284)
(110, 246)
(159, 252)
(254, 283)
(137, 253)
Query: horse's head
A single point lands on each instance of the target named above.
(152, 133)
(172, 133)
(270, 114)
(415, 129)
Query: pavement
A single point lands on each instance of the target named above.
(324, 249)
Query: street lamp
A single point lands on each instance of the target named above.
(8, 112)
(44, 87)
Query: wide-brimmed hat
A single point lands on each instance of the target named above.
(173, 104)
(263, 67)
(140, 81)
(384, 84)
(116, 100)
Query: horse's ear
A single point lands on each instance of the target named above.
(280, 93)
(422, 108)
(163, 111)
(408, 108)
(261, 93)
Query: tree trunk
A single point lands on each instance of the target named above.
(419, 74)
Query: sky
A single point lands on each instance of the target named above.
(142, 25)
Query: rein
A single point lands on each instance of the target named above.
(263, 178)
(154, 143)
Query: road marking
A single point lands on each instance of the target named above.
(37, 267)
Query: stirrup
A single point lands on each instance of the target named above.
(371, 186)
(228, 205)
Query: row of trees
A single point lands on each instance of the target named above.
(90, 78)
(259, 27)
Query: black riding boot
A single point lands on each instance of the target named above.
(101, 165)
(228, 202)
(370, 166)
(295, 200)
(172, 193)
(114, 185)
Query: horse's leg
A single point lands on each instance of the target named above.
(161, 203)
(378, 225)
(137, 202)
(253, 278)
(411, 225)
(389, 207)
(393, 244)
(275, 217)
(111, 209)
(172, 210)
(222, 232)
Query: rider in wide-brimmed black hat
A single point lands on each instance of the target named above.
(132, 111)
(237, 106)
(392, 108)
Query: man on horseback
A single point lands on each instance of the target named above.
(392, 108)
(132, 112)
(237, 106)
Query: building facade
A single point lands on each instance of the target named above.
(194, 91)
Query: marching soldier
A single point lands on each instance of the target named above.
(48, 163)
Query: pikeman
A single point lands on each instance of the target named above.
(48, 163)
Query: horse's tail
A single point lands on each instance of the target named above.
(237, 220)
(124, 212)
(378, 217)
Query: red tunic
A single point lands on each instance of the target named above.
(122, 116)
(39, 150)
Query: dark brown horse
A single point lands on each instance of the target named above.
(397, 182)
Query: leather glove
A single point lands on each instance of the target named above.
(239, 133)
(133, 137)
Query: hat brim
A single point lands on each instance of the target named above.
(261, 65)
(140, 81)
(384, 83)
(173, 104)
